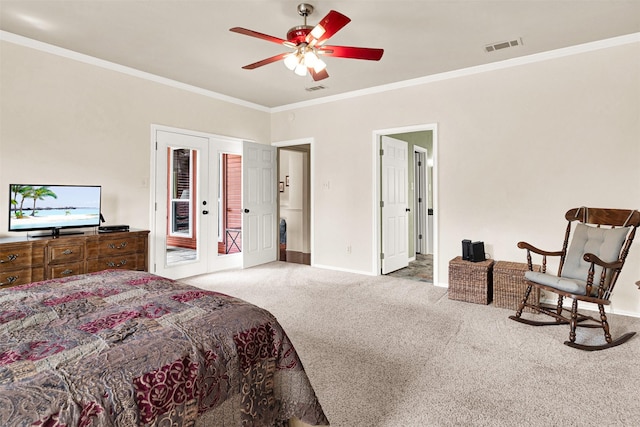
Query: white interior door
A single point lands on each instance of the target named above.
(395, 226)
(259, 202)
(181, 205)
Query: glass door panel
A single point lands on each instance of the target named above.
(182, 243)
(230, 204)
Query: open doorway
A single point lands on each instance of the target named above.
(294, 202)
(419, 202)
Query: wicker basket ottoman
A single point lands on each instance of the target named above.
(470, 281)
(509, 285)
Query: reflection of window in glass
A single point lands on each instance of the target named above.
(230, 204)
(181, 190)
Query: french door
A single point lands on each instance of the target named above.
(260, 204)
(214, 203)
(182, 205)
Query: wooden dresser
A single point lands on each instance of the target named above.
(24, 260)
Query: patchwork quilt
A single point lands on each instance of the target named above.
(125, 348)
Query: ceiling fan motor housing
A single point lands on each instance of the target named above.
(298, 34)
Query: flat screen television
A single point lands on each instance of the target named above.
(53, 207)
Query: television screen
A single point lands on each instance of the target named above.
(52, 207)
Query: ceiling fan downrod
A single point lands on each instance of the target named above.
(304, 10)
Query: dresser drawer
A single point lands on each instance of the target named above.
(15, 256)
(121, 262)
(64, 270)
(21, 277)
(123, 243)
(65, 253)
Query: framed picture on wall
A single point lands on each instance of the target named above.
(281, 186)
(287, 180)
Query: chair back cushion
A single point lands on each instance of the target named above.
(605, 243)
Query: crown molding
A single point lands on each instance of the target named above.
(87, 59)
(499, 65)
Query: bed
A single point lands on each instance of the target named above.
(124, 348)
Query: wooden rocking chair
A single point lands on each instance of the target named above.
(599, 246)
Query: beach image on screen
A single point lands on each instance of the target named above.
(39, 207)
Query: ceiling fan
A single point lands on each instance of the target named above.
(308, 45)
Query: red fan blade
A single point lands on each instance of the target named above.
(328, 26)
(318, 75)
(265, 61)
(258, 35)
(367, 53)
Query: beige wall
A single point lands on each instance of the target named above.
(67, 122)
(517, 147)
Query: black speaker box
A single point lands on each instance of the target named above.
(477, 252)
(466, 250)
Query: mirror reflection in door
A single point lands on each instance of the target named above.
(181, 227)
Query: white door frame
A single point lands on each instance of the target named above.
(421, 214)
(375, 153)
(303, 141)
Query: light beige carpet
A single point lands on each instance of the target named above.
(384, 351)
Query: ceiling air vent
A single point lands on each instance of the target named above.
(503, 45)
(314, 88)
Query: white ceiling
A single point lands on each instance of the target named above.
(190, 42)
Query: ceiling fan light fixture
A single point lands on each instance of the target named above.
(310, 58)
(291, 61)
(301, 69)
(319, 65)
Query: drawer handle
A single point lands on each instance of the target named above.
(10, 258)
(120, 246)
(120, 264)
(10, 279)
(67, 272)
(67, 252)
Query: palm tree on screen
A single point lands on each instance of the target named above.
(39, 194)
(24, 191)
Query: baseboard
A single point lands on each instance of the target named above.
(589, 307)
(344, 270)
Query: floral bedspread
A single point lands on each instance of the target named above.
(125, 348)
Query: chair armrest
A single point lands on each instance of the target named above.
(589, 257)
(527, 246)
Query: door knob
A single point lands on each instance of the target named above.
(246, 211)
(408, 210)
(205, 212)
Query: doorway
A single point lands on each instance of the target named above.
(294, 201)
(421, 190)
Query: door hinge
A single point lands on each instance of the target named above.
(419, 163)
(382, 151)
(156, 145)
(381, 255)
(419, 236)
(382, 203)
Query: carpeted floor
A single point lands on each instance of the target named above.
(389, 352)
